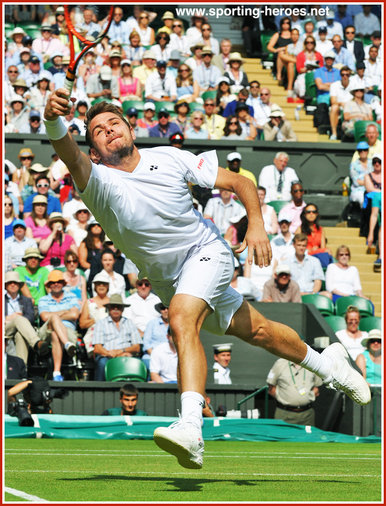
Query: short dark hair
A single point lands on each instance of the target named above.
(345, 69)
(42, 176)
(254, 82)
(100, 108)
(128, 389)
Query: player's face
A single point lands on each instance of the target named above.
(223, 358)
(129, 403)
(112, 137)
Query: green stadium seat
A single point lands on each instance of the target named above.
(101, 99)
(310, 96)
(209, 94)
(369, 323)
(322, 303)
(278, 205)
(126, 104)
(169, 106)
(267, 58)
(365, 307)
(360, 130)
(125, 369)
(336, 322)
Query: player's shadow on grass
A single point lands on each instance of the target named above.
(180, 484)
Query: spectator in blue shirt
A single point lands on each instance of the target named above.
(114, 336)
(324, 76)
(42, 187)
(306, 270)
(242, 97)
(155, 332)
(343, 57)
(59, 310)
(164, 127)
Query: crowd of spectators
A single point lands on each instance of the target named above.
(169, 83)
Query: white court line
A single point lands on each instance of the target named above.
(318, 475)
(321, 457)
(152, 453)
(24, 495)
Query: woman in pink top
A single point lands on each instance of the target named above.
(57, 243)
(37, 222)
(129, 86)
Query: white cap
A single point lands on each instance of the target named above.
(106, 73)
(282, 269)
(218, 348)
(233, 156)
(284, 217)
(377, 155)
(149, 105)
(330, 54)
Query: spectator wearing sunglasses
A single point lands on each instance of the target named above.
(160, 86)
(21, 175)
(179, 41)
(351, 337)
(35, 125)
(164, 128)
(339, 96)
(294, 209)
(354, 46)
(161, 49)
(42, 188)
(142, 305)
(370, 361)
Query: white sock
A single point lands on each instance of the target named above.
(55, 373)
(191, 408)
(317, 363)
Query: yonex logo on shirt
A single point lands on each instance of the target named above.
(153, 167)
(204, 259)
(200, 163)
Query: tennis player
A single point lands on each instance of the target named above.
(142, 200)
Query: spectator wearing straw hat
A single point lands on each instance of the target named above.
(281, 288)
(35, 171)
(206, 75)
(19, 320)
(59, 310)
(37, 222)
(16, 245)
(370, 360)
(147, 68)
(278, 129)
(47, 45)
(19, 113)
(114, 336)
(33, 275)
(236, 76)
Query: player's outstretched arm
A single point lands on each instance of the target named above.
(259, 248)
(67, 149)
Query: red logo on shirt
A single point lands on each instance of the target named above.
(200, 163)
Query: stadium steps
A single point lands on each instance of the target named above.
(304, 128)
(371, 281)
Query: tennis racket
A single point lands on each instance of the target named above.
(88, 44)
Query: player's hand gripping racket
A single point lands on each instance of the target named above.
(88, 44)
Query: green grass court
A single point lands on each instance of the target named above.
(130, 470)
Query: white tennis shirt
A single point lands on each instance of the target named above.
(148, 213)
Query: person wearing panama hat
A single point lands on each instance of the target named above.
(22, 174)
(19, 320)
(114, 336)
(355, 110)
(206, 75)
(78, 226)
(278, 128)
(370, 361)
(33, 275)
(57, 242)
(236, 76)
(37, 222)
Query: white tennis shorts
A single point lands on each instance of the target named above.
(206, 274)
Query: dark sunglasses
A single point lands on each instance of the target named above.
(298, 191)
(143, 283)
(13, 71)
(208, 104)
(344, 255)
(163, 115)
(233, 122)
(116, 306)
(349, 31)
(312, 211)
(175, 26)
(362, 150)
(8, 204)
(72, 262)
(26, 157)
(263, 94)
(371, 341)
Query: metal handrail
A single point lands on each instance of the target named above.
(253, 394)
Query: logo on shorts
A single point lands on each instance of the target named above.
(200, 164)
(204, 259)
(153, 167)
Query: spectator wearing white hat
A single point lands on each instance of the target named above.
(333, 26)
(19, 114)
(148, 120)
(103, 84)
(37, 222)
(324, 77)
(237, 78)
(78, 226)
(16, 45)
(277, 128)
(129, 86)
(206, 75)
(222, 354)
(370, 360)
(147, 68)
(355, 110)
(174, 63)
(281, 288)
(281, 244)
(234, 165)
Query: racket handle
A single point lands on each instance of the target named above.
(69, 80)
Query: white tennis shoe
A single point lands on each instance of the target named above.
(182, 440)
(344, 377)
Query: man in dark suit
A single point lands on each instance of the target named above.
(19, 320)
(354, 46)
